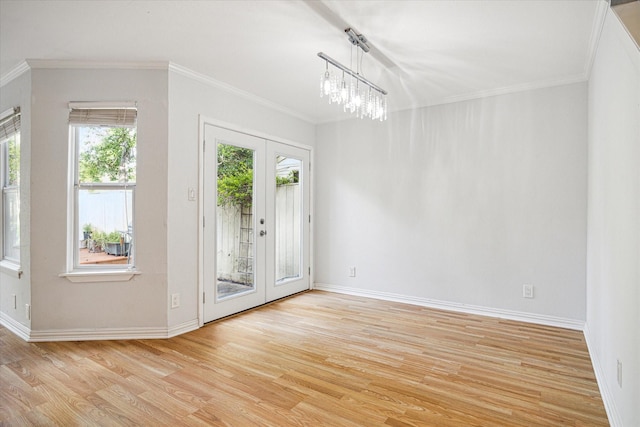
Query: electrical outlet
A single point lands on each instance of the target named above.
(527, 291)
(352, 272)
(619, 373)
(175, 300)
(191, 194)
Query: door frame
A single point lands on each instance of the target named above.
(204, 120)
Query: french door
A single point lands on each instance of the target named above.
(256, 221)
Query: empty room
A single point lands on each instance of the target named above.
(339, 213)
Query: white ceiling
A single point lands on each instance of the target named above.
(423, 52)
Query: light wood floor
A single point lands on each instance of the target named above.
(316, 359)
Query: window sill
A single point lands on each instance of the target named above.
(11, 268)
(99, 276)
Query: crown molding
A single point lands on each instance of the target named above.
(602, 7)
(80, 64)
(472, 96)
(34, 64)
(210, 81)
(524, 87)
(145, 65)
(14, 73)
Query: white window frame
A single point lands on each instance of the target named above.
(93, 273)
(10, 120)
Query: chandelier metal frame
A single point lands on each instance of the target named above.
(368, 100)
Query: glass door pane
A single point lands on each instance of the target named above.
(288, 219)
(235, 221)
(256, 224)
(233, 224)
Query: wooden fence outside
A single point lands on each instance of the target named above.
(235, 234)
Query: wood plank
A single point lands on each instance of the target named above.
(317, 358)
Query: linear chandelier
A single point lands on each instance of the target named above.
(350, 88)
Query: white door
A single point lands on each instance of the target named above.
(288, 219)
(256, 221)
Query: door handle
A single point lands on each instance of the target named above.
(263, 233)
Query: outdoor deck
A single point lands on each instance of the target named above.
(227, 288)
(87, 257)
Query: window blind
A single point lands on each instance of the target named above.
(10, 123)
(125, 117)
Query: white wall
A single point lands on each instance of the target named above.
(59, 304)
(17, 93)
(613, 275)
(169, 105)
(460, 203)
(189, 97)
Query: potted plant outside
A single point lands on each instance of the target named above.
(99, 241)
(115, 244)
(87, 229)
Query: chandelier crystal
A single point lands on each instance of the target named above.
(349, 88)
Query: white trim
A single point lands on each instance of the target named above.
(14, 326)
(14, 73)
(178, 69)
(248, 131)
(99, 334)
(99, 276)
(103, 104)
(184, 71)
(106, 65)
(524, 87)
(153, 65)
(71, 199)
(540, 319)
(473, 96)
(10, 268)
(30, 64)
(202, 121)
(596, 31)
(605, 392)
(182, 328)
(312, 218)
(29, 335)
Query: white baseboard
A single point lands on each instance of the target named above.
(605, 391)
(111, 333)
(14, 326)
(182, 328)
(540, 319)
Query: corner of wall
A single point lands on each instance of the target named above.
(605, 392)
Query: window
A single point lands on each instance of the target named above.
(104, 183)
(10, 185)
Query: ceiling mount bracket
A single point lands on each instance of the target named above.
(357, 39)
